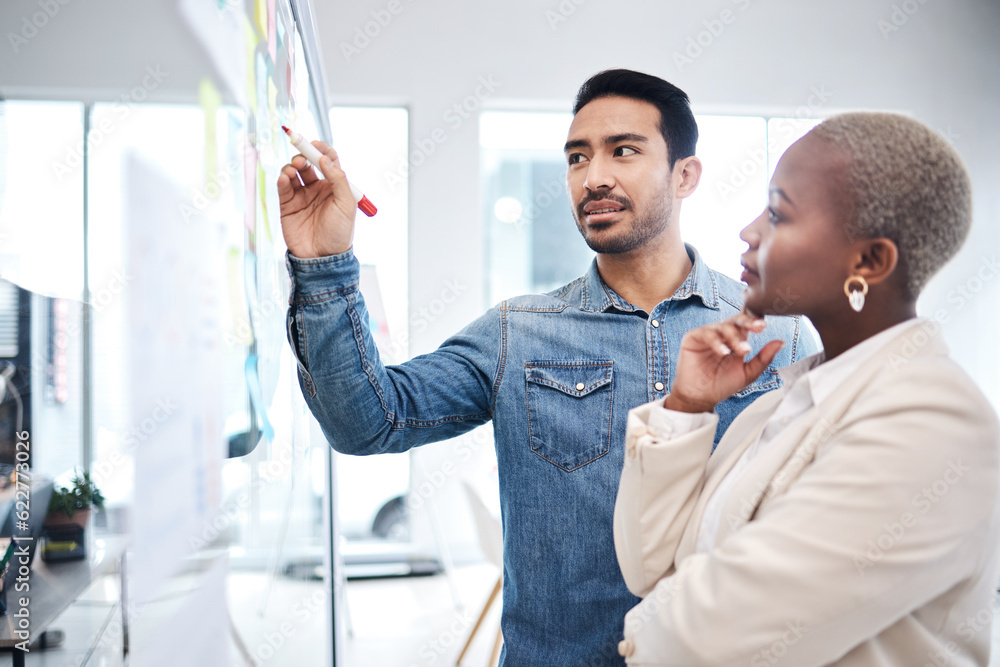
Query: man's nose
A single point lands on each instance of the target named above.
(600, 174)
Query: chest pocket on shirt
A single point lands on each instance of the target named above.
(569, 410)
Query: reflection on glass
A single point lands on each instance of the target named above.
(270, 518)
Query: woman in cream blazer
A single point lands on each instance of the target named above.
(850, 517)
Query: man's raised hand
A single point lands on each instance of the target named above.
(317, 215)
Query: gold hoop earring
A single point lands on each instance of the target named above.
(856, 297)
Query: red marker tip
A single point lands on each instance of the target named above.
(367, 207)
(287, 131)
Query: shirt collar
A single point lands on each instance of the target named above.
(700, 282)
(823, 377)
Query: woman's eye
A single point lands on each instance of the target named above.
(623, 151)
(772, 215)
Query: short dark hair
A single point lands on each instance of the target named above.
(677, 124)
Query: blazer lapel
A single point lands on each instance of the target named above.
(755, 483)
(781, 463)
(740, 435)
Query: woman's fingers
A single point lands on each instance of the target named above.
(728, 337)
(749, 321)
(756, 366)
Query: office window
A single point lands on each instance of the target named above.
(41, 277)
(371, 490)
(533, 244)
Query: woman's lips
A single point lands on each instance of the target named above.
(748, 273)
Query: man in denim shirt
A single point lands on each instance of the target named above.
(557, 373)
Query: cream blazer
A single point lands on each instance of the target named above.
(864, 534)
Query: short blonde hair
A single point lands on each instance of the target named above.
(906, 184)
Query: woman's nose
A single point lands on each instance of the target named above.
(751, 233)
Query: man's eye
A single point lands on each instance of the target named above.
(575, 158)
(623, 151)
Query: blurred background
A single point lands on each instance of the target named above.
(451, 117)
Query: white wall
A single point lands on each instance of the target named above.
(942, 65)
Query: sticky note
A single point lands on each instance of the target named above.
(209, 99)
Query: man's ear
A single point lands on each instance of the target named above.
(876, 259)
(686, 176)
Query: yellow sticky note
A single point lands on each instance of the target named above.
(209, 99)
(262, 190)
(251, 41)
(241, 331)
(260, 15)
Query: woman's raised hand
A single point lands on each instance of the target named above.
(712, 367)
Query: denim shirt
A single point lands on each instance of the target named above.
(557, 373)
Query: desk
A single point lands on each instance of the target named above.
(54, 586)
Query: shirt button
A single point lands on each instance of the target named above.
(626, 648)
(580, 386)
(656, 324)
(658, 386)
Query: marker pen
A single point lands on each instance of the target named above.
(313, 155)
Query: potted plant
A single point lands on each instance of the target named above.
(72, 505)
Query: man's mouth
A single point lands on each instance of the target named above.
(602, 210)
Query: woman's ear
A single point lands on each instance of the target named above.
(876, 259)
